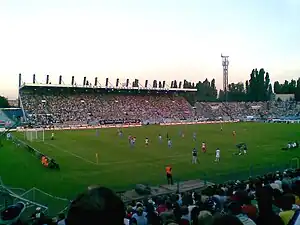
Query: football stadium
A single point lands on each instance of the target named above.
(142, 142)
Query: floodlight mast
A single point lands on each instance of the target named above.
(225, 63)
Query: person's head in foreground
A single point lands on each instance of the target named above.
(97, 205)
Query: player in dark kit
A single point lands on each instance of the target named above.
(242, 148)
(194, 156)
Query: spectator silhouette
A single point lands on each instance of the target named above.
(95, 206)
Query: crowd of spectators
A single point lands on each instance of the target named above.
(272, 199)
(86, 108)
(92, 108)
(241, 110)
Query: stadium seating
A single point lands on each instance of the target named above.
(89, 108)
(242, 110)
(92, 108)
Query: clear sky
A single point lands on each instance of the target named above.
(154, 39)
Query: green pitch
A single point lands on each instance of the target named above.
(121, 167)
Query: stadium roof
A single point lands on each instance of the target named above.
(111, 87)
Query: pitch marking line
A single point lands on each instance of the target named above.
(75, 155)
(116, 162)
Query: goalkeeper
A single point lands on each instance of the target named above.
(242, 147)
(52, 136)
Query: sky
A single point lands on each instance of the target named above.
(146, 39)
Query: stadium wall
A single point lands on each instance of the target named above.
(198, 122)
(86, 127)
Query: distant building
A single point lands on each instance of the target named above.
(285, 97)
(13, 103)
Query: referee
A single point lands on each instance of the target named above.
(169, 175)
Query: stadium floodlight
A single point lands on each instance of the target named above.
(37, 134)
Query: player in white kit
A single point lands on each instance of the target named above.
(160, 138)
(169, 143)
(147, 141)
(218, 155)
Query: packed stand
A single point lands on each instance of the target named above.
(88, 108)
(240, 110)
(92, 108)
(284, 109)
(272, 199)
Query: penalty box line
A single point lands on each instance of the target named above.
(116, 162)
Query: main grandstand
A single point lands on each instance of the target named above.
(56, 107)
(50, 105)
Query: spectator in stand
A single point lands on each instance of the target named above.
(235, 208)
(185, 218)
(140, 216)
(205, 218)
(226, 220)
(168, 214)
(152, 215)
(218, 204)
(287, 202)
(92, 108)
(266, 214)
(95, 206)
(61, 219)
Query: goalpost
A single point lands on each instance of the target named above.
(36, 134)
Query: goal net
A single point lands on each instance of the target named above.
(37, 134)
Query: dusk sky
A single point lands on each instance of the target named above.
(154, 39)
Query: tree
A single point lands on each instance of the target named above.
(285, 87)
(292, 87)
(261, 85)
(214, 92)
(267, 88)
(206, 91)
(247, 89)
(258, 87)
(3, 102)
(221, 96)
(297, 92)
(253, 86)
(277, 88)
(236, 92)
(270, 92)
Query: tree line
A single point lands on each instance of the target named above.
(257, 88)
(3, 102)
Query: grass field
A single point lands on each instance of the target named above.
(121, 167)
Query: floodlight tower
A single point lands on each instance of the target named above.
(225, 63)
